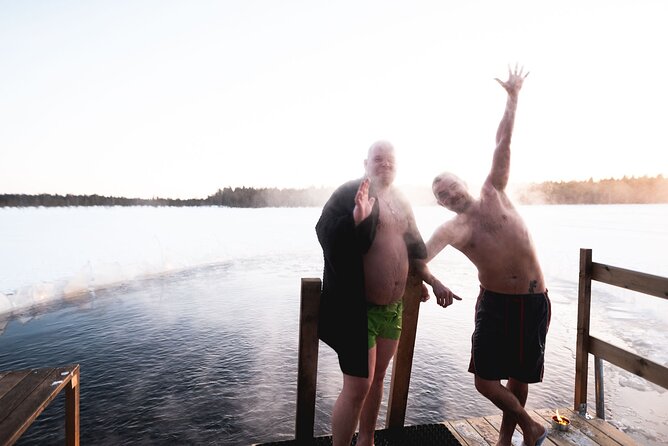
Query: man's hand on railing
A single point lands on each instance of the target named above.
(424, 293)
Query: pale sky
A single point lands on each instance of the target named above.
(179, 98)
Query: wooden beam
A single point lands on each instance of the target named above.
(307, 373)
(632, 280)
(630, 362)
(582, 341)
(72, 409)
(403, 360)
(25, 401)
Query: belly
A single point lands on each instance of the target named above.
(386, 269)
(511, 275)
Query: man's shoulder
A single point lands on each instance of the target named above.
(454, 231)
(453, 225)
(493, 199)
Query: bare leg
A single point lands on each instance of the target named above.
(505, 399)
(385, 351)
(348, 405)
(508, 422)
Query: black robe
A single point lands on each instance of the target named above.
(343, 320)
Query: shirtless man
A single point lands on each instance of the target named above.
(513, 310)
(369, 238)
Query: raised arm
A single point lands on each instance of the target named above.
(498, 176)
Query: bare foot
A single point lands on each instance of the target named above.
(536, 437)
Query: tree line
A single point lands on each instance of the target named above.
(246, 197)
(641, 190)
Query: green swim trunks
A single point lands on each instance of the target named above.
(384, 321)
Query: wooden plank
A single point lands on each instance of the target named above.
(23, 388)
(631, 280)
(51, 382)
(643, 367)
(553, 436)
(607, 428)
(10, 380)
(403, 360)
(571, 436)
(485, 429)
(307, 374)
(468, 433)
(604, 427)
(536, 417)
(454, 432)
(518, 438)
(581, 424)
(582, 341)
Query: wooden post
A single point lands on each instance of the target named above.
(308, 358)
(72, 410)
(403, 360)
(600, 387)
(582, 343)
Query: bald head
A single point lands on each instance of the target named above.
(380, 165)
(451, 192)
(446, 177)
(381, 145)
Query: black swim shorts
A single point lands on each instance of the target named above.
(509, 336)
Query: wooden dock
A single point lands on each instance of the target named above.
(24, 394)
(484, 431)
(582, 431)
(593, 430)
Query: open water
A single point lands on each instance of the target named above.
(184, 320)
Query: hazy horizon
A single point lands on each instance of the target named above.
(174, 99)
(408, 188)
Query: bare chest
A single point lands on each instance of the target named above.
(392, 219)
(493, 231)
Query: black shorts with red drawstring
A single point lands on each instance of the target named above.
(509, 337)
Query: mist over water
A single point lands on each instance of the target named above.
(55, 253)
(187, 330)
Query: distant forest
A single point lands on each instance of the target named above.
(641, 190)
(242, 197)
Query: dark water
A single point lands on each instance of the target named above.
(166, 361)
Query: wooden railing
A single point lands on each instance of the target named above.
(586, 344)
(24, 394)
(308, 357)
(403, 361)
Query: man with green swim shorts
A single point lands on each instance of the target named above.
(384, 321)
(369, 240)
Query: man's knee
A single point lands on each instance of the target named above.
(355, 389)
(485, 386)
(378, 376)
